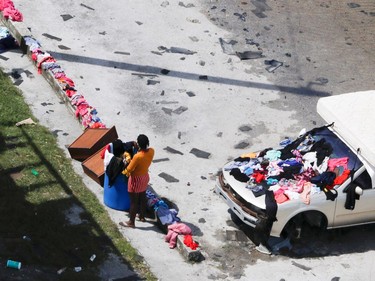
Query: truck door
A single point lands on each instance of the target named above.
(364, 209)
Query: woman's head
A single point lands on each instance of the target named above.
(143, 141)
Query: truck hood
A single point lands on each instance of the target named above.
(353, 115)
(243, 192)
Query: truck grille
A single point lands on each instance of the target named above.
(235, 197)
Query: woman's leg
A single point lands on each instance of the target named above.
(134, 202)
(143, 205)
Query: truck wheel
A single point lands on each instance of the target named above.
(293, 228)
(305, 223)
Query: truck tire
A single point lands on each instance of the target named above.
(305, 223)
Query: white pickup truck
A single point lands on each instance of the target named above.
(324, 178)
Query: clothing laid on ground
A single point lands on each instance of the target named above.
(174, 230)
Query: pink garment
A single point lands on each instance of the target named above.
(306, 175)
(174, 230)
(279, 191)
(86, 120)
(274, 169)
(281, 198)
(66, 80)
(77, 100)
(59, 75)
(13, 14)
(297, 155)
(70, 93)
(305, 195)
(42, 58)
(82, 109)
(335, 162)
(6, 4)
(298, 186)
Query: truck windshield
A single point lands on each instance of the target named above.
(340, 149)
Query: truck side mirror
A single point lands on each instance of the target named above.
(358, 190)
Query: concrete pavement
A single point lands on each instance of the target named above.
(117, 56)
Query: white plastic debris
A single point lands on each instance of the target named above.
(92, 258)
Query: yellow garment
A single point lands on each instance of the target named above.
(140, 163)
(127, 157)
(250, 155)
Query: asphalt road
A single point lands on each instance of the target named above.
(326, 47)
(210, 100)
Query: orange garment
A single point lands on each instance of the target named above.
(340, 179)
(140, 163)
(250, 155)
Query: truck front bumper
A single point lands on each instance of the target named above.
(248, 216)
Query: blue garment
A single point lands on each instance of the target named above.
(272, 155)
(235, 164)
(288, 162)
(164, 214)
(248, 171)
(174, 213)
(271, 181)
(256, 188)
(285, 142)
(160, 204)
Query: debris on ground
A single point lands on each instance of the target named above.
(247, 55)
(27, 121)
(272, 65)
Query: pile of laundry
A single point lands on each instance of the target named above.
(45, 62)
(168, 216)
(298, 170)
(7, 41)
(9, 11)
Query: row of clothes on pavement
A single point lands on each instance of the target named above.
(169, 216)
(84, 112)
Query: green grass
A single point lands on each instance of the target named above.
(34, 205)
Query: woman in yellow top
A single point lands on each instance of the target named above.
(137, 171)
